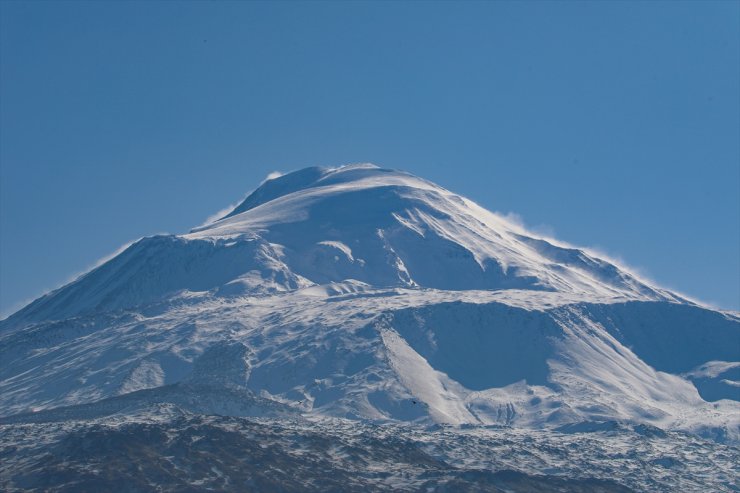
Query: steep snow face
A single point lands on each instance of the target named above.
(384, 228)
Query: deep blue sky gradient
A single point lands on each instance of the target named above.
(614, 125)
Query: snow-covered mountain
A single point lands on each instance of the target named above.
(316, 226)
(366, 293)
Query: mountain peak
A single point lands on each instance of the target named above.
(360, 223)
(311, 177)
(366, 292)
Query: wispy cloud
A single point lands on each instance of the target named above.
(222, 212)
(272, 176)
(546, 232)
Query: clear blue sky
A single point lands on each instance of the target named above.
(615, 125)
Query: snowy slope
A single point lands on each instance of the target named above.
(316, 226)
(366, 293)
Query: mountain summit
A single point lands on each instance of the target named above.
(366, 293)
(389, 228)
(374, 226)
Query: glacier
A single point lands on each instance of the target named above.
(362, 298)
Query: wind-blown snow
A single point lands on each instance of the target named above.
(382, 227)
(365, 293)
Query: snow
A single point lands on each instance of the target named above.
(210, 453)
(712, 369)
(370, 294)
(317, 226)
(429, 387)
